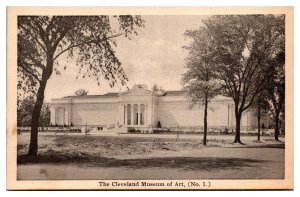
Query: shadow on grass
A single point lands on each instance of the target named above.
(182, 163)
(280, 146)
(90, 139)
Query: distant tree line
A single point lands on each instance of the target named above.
(24, 113)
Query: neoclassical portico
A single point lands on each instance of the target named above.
(135, 114)
(137, 107)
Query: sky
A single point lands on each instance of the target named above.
(155, 56)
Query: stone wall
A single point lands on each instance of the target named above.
(95, 114)
(181, 114)
(172, 110)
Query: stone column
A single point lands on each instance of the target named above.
(145, 114)
(125, 114)
(64, 115)
(139, 114)
(131, 121)
(70, 113)
(52, 115)
(56, 115)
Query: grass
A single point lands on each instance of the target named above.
(87, 148)
(131, 156)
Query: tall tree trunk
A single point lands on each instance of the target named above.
(277, 112)
(205, 122)
(33, 146)
(238, 116)
(42, 120)
(258, 123)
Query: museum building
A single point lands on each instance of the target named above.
(140, 108)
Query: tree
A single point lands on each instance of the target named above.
(260, 105)
(141, 86)
(81, 92)
(276, 87)
(43, 40)
(243, 47)
(24, 112)
(45, 115)
(282, 119)
(157, 89)
(200, 79)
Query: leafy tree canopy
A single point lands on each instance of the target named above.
(200, 80)
(24, 112)
(81, 92)
(244, 46)
(157, 89)
(42, 41)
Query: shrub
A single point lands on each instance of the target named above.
(225, 131)
(162, 131)
(158, 124)
(134, 131)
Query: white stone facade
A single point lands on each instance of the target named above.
(142, 108)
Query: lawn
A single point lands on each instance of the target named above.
(137, 156)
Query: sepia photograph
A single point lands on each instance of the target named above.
(150, 98)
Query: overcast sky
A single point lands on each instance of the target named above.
(154, 56)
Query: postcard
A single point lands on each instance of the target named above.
(150, 98)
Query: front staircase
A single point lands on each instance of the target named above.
(118, 130)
